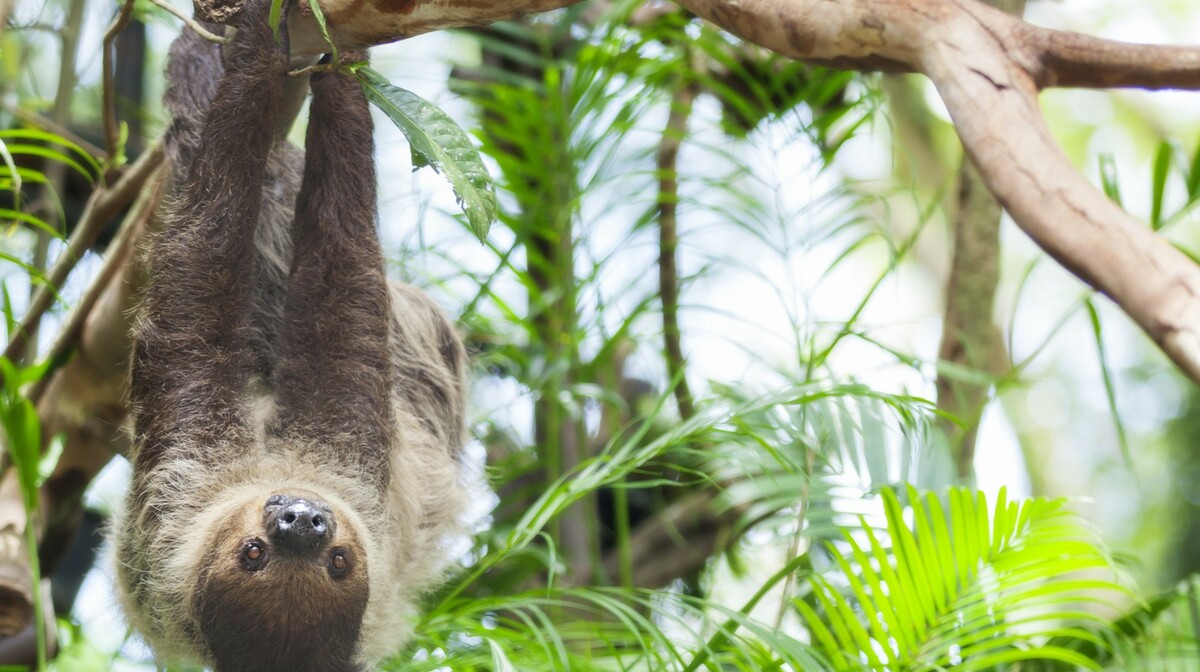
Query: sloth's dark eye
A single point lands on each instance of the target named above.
(339, 563)
(254, 555)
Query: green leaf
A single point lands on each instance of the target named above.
(12, 167)
(274, 17)
(1193, 177)
(1162, 164)
(500, 661)
(437, 141)
(1110, 389)
(31, 220)
(319, 15)
(52, 139)
(991, 587)
(1108, 178)
(49, 459)
(10, 317)
(24, 434)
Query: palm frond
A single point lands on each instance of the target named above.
(970, 587)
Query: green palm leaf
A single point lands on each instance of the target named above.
(967, 588)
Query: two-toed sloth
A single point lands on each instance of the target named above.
(298, 420)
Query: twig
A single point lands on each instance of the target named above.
(111, 132)
(100, 209)
(190, 22)
(6, 7)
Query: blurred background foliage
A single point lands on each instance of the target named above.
(734, 407)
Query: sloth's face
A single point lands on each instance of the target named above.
(284, 586)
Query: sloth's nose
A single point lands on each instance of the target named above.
(300, 525)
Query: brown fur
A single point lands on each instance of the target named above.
(262, 371)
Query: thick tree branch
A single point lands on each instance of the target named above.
(355, 24)
(969, 336)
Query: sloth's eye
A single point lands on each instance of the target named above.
(254, 555)
(339, 563)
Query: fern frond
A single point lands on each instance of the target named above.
(971, 588)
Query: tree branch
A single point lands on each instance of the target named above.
(987, 66)
(1073, 60)
(668, 220)
(104, 204)
(970, 338)
(111, 132)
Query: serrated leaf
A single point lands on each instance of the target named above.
(437, 141)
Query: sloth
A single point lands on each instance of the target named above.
(297, 460)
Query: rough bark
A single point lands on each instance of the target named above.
(970, 338)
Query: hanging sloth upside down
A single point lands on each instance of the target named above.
(298, 421)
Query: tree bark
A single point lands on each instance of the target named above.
(970, 338)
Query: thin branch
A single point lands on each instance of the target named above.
(111, 131)
(103, 205)
(118, 256)
(1073, 60)
(668, 215)
(6, 7)
(190, 22)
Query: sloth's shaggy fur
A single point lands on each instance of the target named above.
(273, 358)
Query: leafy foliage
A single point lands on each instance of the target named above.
(965, 587)
(437, 141)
